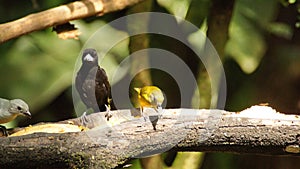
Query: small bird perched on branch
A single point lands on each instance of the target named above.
(150, 96)
(92, 83)
(10, 109)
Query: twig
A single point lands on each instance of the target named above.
(59, 15)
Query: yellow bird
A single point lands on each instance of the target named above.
(150, 96)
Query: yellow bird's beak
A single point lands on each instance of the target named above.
(138, 90)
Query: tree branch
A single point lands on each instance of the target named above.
(60, 15)
(258, 130)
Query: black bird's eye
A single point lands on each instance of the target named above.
(19, 108)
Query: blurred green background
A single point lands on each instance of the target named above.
(258, 43)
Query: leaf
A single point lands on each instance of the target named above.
(247, 44)
(177, 7)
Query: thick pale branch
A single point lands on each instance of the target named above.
(258, 130)
(59, 15)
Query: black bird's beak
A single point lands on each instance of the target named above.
(88, 58)
(27, 114)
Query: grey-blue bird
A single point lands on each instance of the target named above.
(10, 109)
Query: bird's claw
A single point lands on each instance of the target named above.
(145, 118)
(108, 114)
(83, 119)
(4, 130)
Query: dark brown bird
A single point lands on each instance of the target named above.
(92, 82)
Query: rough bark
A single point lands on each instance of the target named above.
(106, 146)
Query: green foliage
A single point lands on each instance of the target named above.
(37, 68)
(247, 41)
(176, 7)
